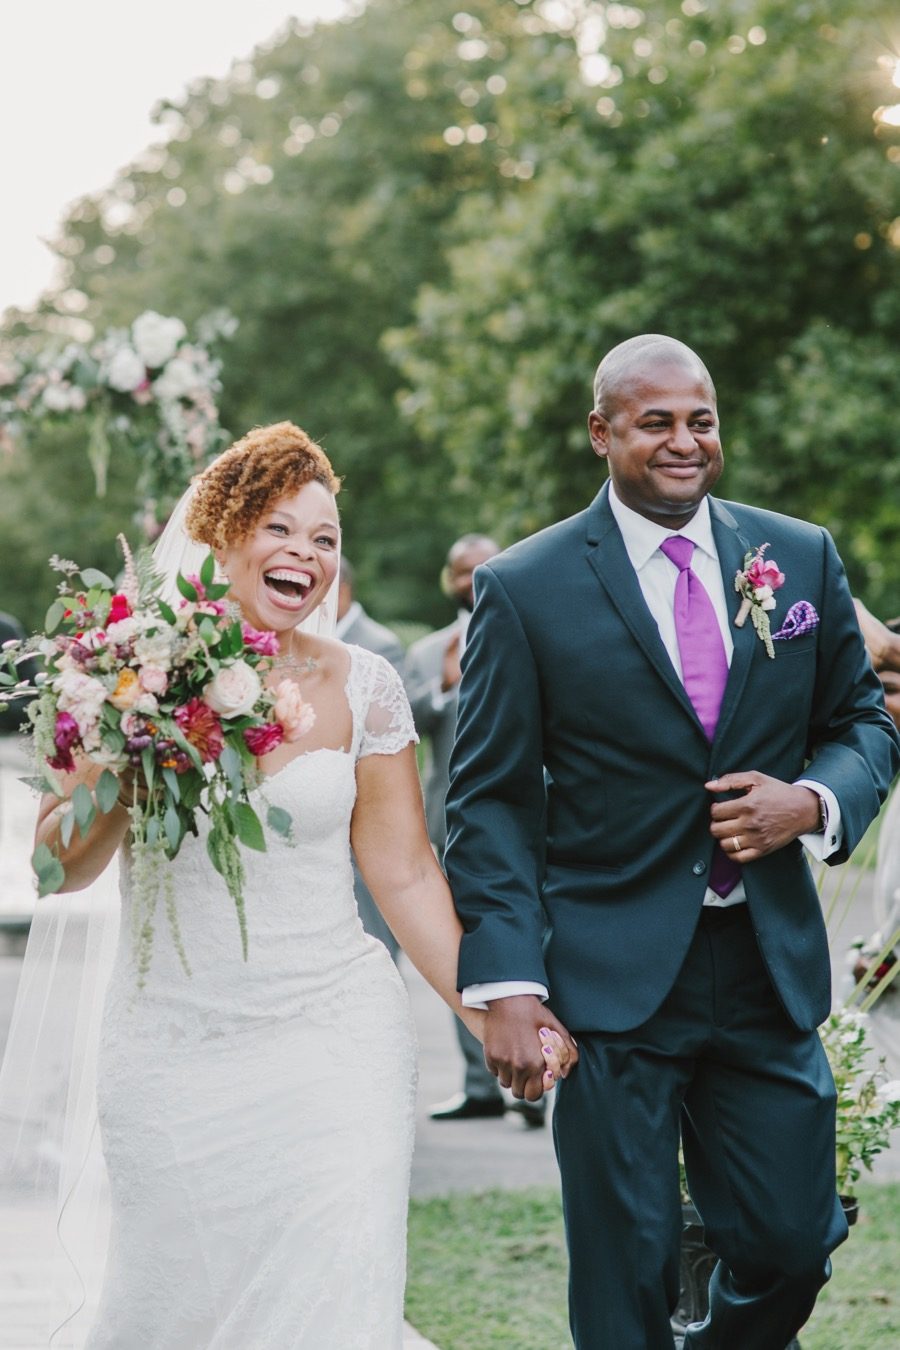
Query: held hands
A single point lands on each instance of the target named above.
(769, 815)
(525, 1047)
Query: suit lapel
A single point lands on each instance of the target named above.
(609, 559)
(732, 546)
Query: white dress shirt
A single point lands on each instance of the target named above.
(657, 576)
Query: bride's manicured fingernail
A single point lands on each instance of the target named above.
(547, 1049)
(544, 1032)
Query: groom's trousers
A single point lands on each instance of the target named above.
(754, 1099)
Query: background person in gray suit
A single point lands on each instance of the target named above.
(432, 683)
(356, 627)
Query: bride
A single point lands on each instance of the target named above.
(257, 1118)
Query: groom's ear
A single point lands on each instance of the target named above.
(598, 428)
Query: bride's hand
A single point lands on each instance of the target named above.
(560, 1059)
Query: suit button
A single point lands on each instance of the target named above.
(698, 869)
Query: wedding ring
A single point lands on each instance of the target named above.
(735, 839)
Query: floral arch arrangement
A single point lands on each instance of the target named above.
(149, 386)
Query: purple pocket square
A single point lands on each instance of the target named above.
(801, 618)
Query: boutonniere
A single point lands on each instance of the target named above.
(757, 581)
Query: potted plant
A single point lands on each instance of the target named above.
(868, 1110)
(868, 1102)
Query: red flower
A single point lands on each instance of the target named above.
(119, 609)
(260, 740)
(202, 728)
(262, 641)
(65, 735)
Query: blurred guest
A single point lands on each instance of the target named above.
(432, 683)
(883, 645)
(357, 628)
(15, 715)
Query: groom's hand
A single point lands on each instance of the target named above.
(513, 1048)
(769, 814)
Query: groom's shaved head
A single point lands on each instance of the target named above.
(633, 359)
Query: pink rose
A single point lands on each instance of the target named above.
(264, 643)
(296, 717)
(763, 572)
(233, 692)
(260, 740)
(153, 679)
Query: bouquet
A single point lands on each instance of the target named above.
(170, 704)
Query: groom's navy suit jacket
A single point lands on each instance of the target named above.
(579, 846)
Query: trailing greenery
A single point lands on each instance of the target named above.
(488, 1272)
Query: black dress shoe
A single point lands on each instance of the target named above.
(462, 1107)
(534, 1114)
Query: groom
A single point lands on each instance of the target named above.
(634, 772)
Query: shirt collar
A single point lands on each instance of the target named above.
(642, 537)
(353, 612)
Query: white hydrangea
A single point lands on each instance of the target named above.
(125, 370)
(156, 337)
(155, 649)
(60, 396)
(889, 1093)
(178, 380)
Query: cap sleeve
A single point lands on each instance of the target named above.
(388, 725)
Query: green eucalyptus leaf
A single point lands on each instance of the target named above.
(230, 761)
(249, 827)
(280, 821)
(148, 763)
(94, 578)
(67, 828)
(84, 808)
(173, 828)
(107, 791)
(167, 612)
(208, 571)
(54, 615)
(48, 869)
(187, 590)
(170, 778)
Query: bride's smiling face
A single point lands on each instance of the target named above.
(284, 567)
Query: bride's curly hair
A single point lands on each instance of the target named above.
(239, 487)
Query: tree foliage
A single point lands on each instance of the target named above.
(725, 183)
(432, 221)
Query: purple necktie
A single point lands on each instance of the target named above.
(704, 668)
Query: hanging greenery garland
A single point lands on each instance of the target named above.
(150, 386)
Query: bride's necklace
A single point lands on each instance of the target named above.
(295, 664)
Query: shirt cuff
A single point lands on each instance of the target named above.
(822, 844)
(479, 995)
(440, 697)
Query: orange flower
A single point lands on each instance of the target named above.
(127, 691)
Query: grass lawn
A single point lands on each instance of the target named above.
(488, 1272)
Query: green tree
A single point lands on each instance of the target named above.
(725, 182)
(309, 192)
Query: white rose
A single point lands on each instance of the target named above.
(890, 1092)
(155, 649)
(156, 337)
(81, 696)
(63, 397)
(178, 380)
(234, 690)
(122, 631)
(125, 370)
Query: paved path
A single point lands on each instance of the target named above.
(467, 1156)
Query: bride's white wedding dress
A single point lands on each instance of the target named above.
(257, 1119)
